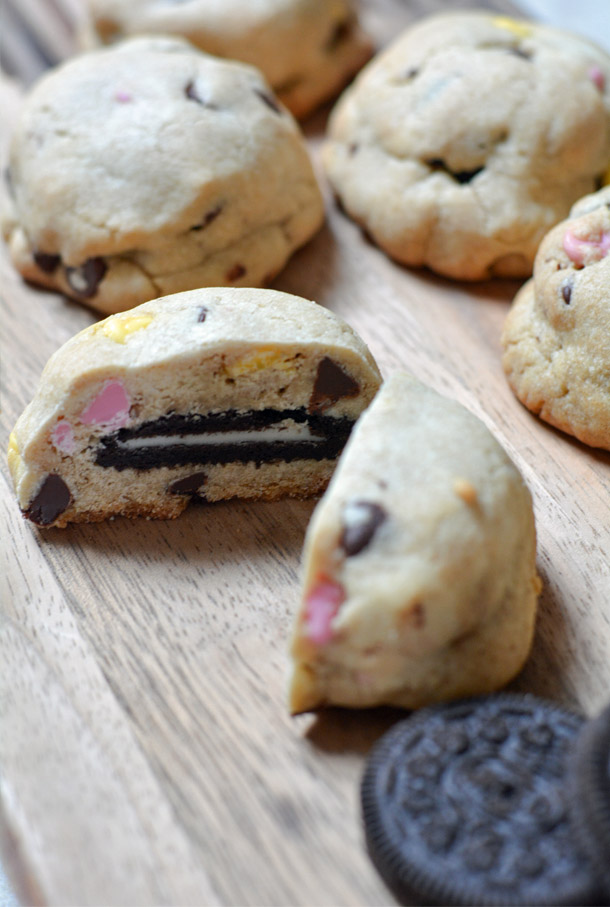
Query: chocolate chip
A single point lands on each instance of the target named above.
(518, 52)
(51, 500)
(269, 100)
(202, 314)
(288, 85)
(192, 94)
(566, 291)
(352, 148)
(189, 485)
(330, 385)
(417, 615)
(85, 279)
(47, 263)
(339, 34)
(208, 218)
(235, 273)
(460, 176)
(361, 521)
(411, 73)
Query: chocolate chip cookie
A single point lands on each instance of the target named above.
(466, 140)
(214, 394)
(149, 168)
(419, 581)
(307, 49)
(556, 338)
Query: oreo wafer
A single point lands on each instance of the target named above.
(590, 793)
(466, 804)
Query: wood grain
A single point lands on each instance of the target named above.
(146, 755)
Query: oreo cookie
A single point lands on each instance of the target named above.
(466, 803)
(590, 793)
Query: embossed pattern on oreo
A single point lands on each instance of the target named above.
(466, 804)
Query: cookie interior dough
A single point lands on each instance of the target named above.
(464, 142)
(307, 49)
(208, 394)
(420, 582)
(556, 337)
(149, 168)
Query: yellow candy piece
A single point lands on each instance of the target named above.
(517, 26)
(13, 456)
(119, 328)
(259, 359)
(606, 178)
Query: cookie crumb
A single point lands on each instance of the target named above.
(466, 491)
(235, 273)
(414, 615)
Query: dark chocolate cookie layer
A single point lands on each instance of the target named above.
(466, 804)
(121, 449)
(590, 793)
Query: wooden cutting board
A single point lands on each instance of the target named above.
(146, 753)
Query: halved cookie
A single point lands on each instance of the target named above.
(215, 393)
(420, 582)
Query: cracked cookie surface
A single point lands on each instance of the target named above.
(556, 337)
(307, 49)
(207, 395)
(149, 168)
(464, 142)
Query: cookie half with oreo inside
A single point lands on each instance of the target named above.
(213, 393)
(420, 580)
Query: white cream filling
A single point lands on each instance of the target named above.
(286, 431)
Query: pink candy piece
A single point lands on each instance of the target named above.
(110, 407)
(597, 77)
(62, 437)
(321, 605)
(124, 97)
(578, 249)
